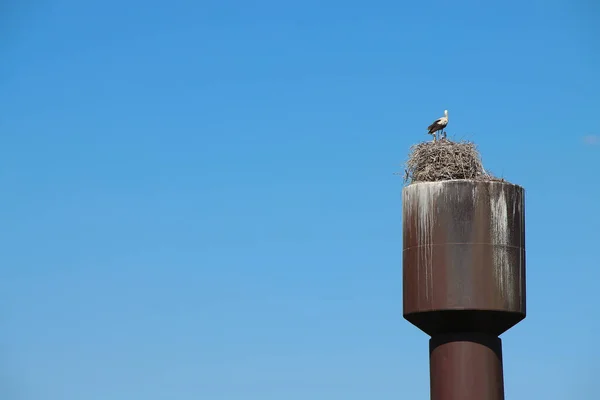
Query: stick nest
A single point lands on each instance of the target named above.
(444, 160)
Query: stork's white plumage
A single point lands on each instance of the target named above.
(438, 125)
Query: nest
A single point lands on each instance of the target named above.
(444, 160)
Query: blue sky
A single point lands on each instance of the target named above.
(198, 199)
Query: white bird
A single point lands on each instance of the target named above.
(438, 125)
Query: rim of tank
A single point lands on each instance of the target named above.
(499, 182)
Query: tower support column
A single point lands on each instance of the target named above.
(466, 366)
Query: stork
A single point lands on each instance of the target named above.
(438, 125)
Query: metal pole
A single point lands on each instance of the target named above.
(466, 366)
(464, 279)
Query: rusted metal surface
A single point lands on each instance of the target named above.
(464, 279)
(464, 256)
(466, 367)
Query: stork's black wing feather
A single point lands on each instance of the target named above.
(435, 126)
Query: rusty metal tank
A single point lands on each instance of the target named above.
(464, 256)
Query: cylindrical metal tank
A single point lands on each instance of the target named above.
(464, 256)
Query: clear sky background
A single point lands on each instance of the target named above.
(198, 199)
